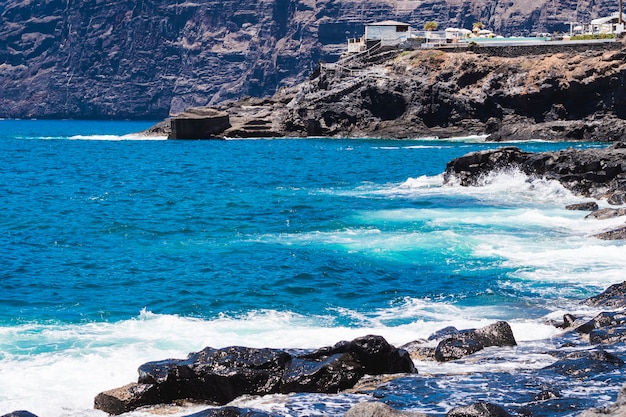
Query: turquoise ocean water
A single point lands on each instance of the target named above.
(116, 250)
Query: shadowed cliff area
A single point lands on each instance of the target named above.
(149, 58)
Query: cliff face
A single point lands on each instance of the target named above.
(147, 58)
(560, 92)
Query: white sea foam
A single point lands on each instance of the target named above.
(133, 136)
(56, 370)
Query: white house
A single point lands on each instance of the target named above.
(388, 32)
(607, 25)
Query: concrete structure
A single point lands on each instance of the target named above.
(389, 32)
(199, 123)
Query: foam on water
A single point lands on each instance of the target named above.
(114, 137)
(230, 234)
(63, 367)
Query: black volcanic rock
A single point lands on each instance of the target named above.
(593, 173)
(612, 297)
(456, 345)
(221, 375)
(481, 409)
(137, 59)
(587, 364)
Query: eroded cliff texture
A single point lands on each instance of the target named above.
(569, 92)
(147, 58)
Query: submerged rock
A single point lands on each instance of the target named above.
(587, 206)
(606, 213)
(20, 413)
(231, 412)
(614, 296)
(456, 345)
(480, 409)
(587, 364)
(378, 409)
(614, 234)
(221, 375)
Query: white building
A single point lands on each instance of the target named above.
(607, 25)
(388, 32)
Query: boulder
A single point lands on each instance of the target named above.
(221, 375)
(470, 169)
(231, 412)
(378, 409)
(603, 320)
(329, 374)
(456, 347)
(606, 213)
(608, 336)
(586, 364)
(20, 413)
(466, 342)
(587, 206)
(614, 234)
(127, 398)
(480, 409)
(612, 297)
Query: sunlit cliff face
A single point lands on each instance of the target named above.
(121, 59)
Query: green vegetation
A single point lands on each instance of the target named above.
(478, 26)
(431, 25)
(593, 37)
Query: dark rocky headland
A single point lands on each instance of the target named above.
(552, 92)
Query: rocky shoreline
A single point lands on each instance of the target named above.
(591, 348)
(595, 173)
(552, 92)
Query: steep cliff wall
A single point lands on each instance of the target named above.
(147, 58)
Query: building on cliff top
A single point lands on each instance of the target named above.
(387, 33)
(607, 25)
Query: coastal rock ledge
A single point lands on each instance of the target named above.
(594, 173)
(567, 92)
(220, 375)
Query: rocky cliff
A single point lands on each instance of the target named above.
(147, 58)
(552, 92)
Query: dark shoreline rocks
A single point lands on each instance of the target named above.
(579, 359)
(595, 173)
(220, 375)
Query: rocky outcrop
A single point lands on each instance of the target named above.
(138, 59)
(198, 124)
(597, 173)
(221, 375)
(378, 409)
(587, 364)
(482, 409)
(558, 92)
(452, 344)
(612, 297)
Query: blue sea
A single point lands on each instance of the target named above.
(117, 249)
